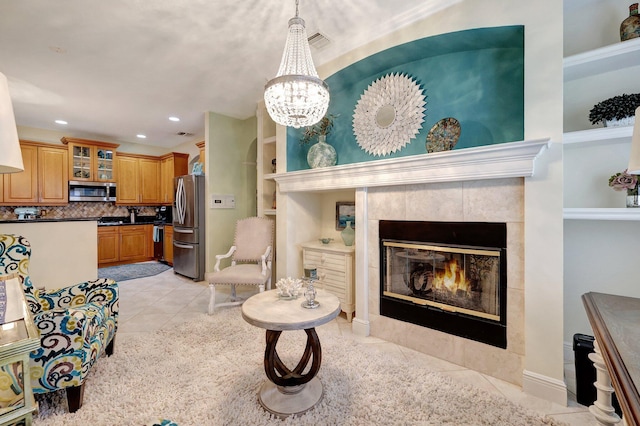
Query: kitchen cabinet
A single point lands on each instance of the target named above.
(335, 267)
(171, 165)
(138, 180)
(136, 243)
(91, 161)
(44, 180)
(120, 244)
(168, 244)
(108, 245)
(202, 158)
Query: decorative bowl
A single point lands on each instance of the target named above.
(289, 288)
(326, 240)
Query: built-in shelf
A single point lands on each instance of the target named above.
(271, 139)
(504, 160)
(270, 212)
(600, 134)
(602, 213)
(269, 176)
(609, 58)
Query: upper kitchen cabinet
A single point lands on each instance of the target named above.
(92, 161)
(138, 180)
(171, 165)
(45, 178)
(202, 156)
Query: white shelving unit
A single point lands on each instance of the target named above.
(266, 185)
(592, 155)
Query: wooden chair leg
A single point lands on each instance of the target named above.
(110, 346)
(212, 298)
(75, 395)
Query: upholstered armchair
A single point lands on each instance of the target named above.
(77, 324)
(250, 255)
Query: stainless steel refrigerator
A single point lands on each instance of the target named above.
(188, 226)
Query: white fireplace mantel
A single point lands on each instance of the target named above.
(512, 159)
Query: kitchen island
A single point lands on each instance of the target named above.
(64, 251)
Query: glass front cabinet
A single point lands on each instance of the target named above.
(91, 160)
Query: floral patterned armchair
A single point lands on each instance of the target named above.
(77, 324)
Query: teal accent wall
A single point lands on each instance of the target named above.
(475, 76)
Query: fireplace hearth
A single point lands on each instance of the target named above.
(449, 276)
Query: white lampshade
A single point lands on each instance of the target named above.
(10, 154)
(296, 97)
(634, 157)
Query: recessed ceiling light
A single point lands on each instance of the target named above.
(61, 122)
(174, 119)
(141, 136)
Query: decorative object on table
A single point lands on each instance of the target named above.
(326, 240)
(296, 97)
(389, 114)
(289, 288)
(634, 156)
(11, 160)
(444, 135)
(624, 181)
(321, 154)
(310, 272)
(630, 27)
(616, 111)
(273, 165)
(310, 296)
(345, 211)
(348, 234)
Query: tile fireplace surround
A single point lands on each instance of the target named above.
(484, 184)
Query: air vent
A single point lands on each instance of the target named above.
(318, 40)
(184, 134)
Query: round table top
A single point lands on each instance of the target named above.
(267, 310)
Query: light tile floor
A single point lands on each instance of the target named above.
(149, 304)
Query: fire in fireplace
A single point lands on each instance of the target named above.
(447, 276)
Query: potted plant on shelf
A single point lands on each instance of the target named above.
(320, 154)
(623, 181)
(617, 111)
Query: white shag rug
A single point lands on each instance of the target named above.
(208, 372)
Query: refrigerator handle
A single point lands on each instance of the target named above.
(185, 246)
(180, 201)
(182, 231)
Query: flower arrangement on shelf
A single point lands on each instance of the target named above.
(618, 108)
(624, 181)
(322, 127)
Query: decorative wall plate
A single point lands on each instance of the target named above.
(444, 135)
(389, 114)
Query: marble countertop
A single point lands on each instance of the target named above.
(266, 310)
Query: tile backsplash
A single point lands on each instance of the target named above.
(79, 209)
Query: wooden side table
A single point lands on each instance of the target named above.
(18, 337)
(290, 391)
(334, 262)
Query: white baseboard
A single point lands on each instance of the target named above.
(544, 387)
(360, 327)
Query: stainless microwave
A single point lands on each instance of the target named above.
(92, 191)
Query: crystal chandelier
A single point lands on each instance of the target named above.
(296, 97)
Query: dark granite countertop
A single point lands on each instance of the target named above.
(47, 219)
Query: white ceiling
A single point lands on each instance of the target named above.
(113, 69)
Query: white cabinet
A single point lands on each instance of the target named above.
(335, 265)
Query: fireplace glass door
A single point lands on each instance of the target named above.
(464, 280)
